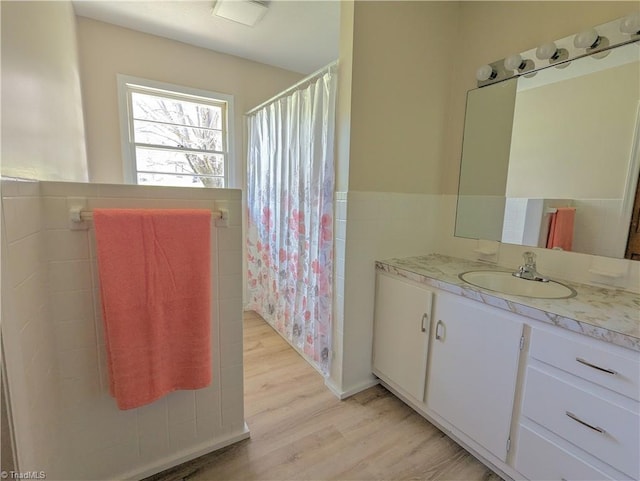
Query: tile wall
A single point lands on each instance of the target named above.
(380, 225)
(569, 266)
(598, 227)
(96, 440)
(28, 353)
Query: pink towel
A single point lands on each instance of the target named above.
(155, 281)
(561, 229)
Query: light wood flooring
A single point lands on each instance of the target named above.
(300, 431)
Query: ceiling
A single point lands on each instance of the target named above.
(297, 35)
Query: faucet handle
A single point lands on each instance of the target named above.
(529, 258)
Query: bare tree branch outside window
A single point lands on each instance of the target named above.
(179, 138)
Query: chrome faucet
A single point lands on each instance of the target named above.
(528, 269)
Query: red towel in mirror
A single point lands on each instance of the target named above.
(561, 229)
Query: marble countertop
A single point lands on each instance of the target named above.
(611, 315)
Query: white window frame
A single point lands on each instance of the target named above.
(128, 84)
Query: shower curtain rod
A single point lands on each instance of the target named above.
(297, 85)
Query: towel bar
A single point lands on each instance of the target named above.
(78, 214)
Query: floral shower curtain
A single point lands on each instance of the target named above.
(290, 215)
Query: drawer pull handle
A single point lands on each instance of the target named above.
(425, 316)
(439, 332)
(578, 420)
(603, 369)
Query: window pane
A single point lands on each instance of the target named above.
(179, 162)
(177, 136)
(161, 109)
(172, 180)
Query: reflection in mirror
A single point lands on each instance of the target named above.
(551, 159)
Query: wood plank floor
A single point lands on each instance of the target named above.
(300, 431)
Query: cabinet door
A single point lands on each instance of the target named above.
(401, 334)
(473, 369)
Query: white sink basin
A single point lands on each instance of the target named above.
(506, 283)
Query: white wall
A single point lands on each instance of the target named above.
(107, 50)
(390, 124)
(419, 78)
(487, 33)
(42, 121)
(589, 137)
(370, 226)
(491, 30)
(402, 54)
(66, 422)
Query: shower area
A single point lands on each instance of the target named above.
(290, 214)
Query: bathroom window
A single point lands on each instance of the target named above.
(174, 136)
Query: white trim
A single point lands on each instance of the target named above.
(342, 395)
(126, 134)
(631, 182)
(186, 455)
(128, 168)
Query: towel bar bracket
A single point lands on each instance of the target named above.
(75, 214)
(222, 217)
(76, 206)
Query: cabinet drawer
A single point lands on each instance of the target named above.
(605, 430)
(539, 458)
(610, 370)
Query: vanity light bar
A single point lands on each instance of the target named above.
(603, 37)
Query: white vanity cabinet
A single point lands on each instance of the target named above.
(532, 400)
(473, 369)
(401, 334)
(468, 368)
(580, 409)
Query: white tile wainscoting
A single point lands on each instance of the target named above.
(66, 423)
(371, 226)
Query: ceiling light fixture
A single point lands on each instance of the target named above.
(246, 12)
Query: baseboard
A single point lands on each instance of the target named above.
(344, 394)
(185, 455)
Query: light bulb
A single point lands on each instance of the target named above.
(587, 39)
(547, 51)
(486, 72)
(514, 62)
(631, 24)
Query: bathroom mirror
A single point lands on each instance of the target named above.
(564, 136)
